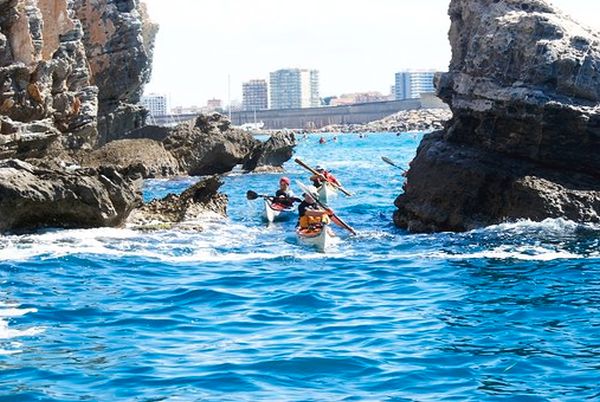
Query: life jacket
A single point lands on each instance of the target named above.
(308, 221)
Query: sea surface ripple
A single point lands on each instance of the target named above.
(242, 312)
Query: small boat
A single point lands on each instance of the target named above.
(321, 238)
(275, 211)
(326, 193)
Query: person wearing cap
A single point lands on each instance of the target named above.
(323, 176)
(310, 214)
(284, 195)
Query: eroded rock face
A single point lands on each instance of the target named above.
(524, 89)
(145, 157)
(74, 67)
(210, 146)
(183, 211)
(271, 154)
(119, 41)
(44, 76)
(33, 198)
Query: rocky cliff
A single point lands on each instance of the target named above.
(119, 41)
(524, 88)
(70, 69)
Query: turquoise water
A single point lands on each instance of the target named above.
(242, 312)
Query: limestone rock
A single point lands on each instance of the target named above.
(182, 211)
(271, 154)
(145, 157)
(524, 89)
(209, 145)
(119, 41)
(33, 198)
(44, 75)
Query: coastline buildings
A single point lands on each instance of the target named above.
(294, 88)
(155, 103)
(411, 84)
(359, 97)
(255, 95)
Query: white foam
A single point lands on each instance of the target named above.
(558, 226)
(508, 252)
(7, 333)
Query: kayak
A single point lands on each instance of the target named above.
(275, 211)
(321, 238)
(326, 193)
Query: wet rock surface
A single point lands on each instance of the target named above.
(33, 198)
(182, 211)
(523, 142)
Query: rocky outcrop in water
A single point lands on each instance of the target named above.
(68, 67)
(147, 158)
(206, 146)
(182, 211)
(209, 145)
(524, 89)
(33, 198)
(271, 154)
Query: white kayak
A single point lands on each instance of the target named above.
(326, 193)
(275, 211)
(321, 238)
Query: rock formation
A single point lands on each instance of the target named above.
(147, 158)
(524, 89)
(33, 198)
(271, 154)
(46, 94)
(182, 211)
(119, 41)
(67, 68)
(209, 145)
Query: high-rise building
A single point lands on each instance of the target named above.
(255, 95)
(294, 88)
(411, 84)
(156, 104)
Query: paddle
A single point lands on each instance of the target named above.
(391, 162)
(252, 195)
(334, 217)
(313, 171)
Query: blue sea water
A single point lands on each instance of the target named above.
(242, 312)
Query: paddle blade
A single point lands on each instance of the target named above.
(391, 162)
(251, 195)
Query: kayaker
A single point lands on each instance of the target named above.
(284, 195)
(317, 180)
(310, 215)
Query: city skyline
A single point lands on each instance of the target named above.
(356, 46)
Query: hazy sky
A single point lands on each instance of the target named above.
(356, 45)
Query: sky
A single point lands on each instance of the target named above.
(207, 48)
